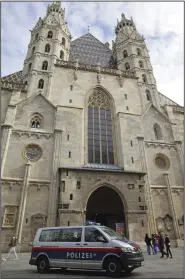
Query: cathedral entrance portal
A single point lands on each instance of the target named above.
(105, 206)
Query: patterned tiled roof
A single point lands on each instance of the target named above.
(14, 78)
(89, 50)
(166, 101)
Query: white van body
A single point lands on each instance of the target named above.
(83, 247)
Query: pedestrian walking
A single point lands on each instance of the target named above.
(148, 244)
(168, 245)
(154, 244)
(161, 245)
(12, 249)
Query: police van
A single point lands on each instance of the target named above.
(84, 247)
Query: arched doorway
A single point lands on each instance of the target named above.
(105, 206)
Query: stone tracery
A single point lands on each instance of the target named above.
(99, 99)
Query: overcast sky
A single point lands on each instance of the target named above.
(161, 23)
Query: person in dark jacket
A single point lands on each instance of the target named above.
(148, 244)
(12, 246)
(168, 245)
(154, 244)
(161, 245)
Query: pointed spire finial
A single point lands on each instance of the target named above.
(88, 28)
(123, 16)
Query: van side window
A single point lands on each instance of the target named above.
(91, 235)
(70, 235)
(51, 235)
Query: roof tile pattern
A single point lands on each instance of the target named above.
(89, 50)
(14, 78)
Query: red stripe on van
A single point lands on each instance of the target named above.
(77, 249)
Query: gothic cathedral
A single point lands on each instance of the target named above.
(87, 136)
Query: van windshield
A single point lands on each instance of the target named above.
(112, 234)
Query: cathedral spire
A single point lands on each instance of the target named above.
(55, 7)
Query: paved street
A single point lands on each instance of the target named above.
(154, 268)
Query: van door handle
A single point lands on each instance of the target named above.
(85, 244)
(77, 243)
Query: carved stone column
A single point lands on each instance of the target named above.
(5, 138)
(181, 154)
(50, 79)
(31, 85)
(23, 200)
(172, 207)
(141, 95)
(151, 216)
(53, 194)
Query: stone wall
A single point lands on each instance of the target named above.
(129, 186)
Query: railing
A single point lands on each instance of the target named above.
(93, 68)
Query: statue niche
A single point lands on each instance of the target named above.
(165, 223)
(168, 222)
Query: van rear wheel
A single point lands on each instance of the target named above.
(113, 267)
(42, 264)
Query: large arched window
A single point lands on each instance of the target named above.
(41, 84)
(100, 135)
(144, 78)
(63, 41)
(141, 64)
(157, 132)
(47, 48)
(138, 52)
(148, 96)
(45, 65)
(127, 66)
(125, 54)
(36, 121)
(50, 34)
(61, 55)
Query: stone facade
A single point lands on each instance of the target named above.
(47, 178)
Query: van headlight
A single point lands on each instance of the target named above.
(127, 249)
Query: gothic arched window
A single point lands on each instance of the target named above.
(36, 36)
(45, 65)
(33, 50)
(100, 133)
(63, 41)
(127, 66)
(61, 55)
(41, 84)
(138, 52)
(50, 34)
(148, 95)
(47, 48)
(29, 67)
(157, 132)
(141, 64)
(144, 78)
(125, 54)
(36, 121)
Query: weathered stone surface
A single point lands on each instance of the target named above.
(63, 137)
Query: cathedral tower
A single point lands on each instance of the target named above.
(132, 55)
(50, 40)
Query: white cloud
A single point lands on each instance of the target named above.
(161, 23)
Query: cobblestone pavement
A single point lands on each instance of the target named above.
(154, 268)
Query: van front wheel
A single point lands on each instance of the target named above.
(113, 267)
(42, 264)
